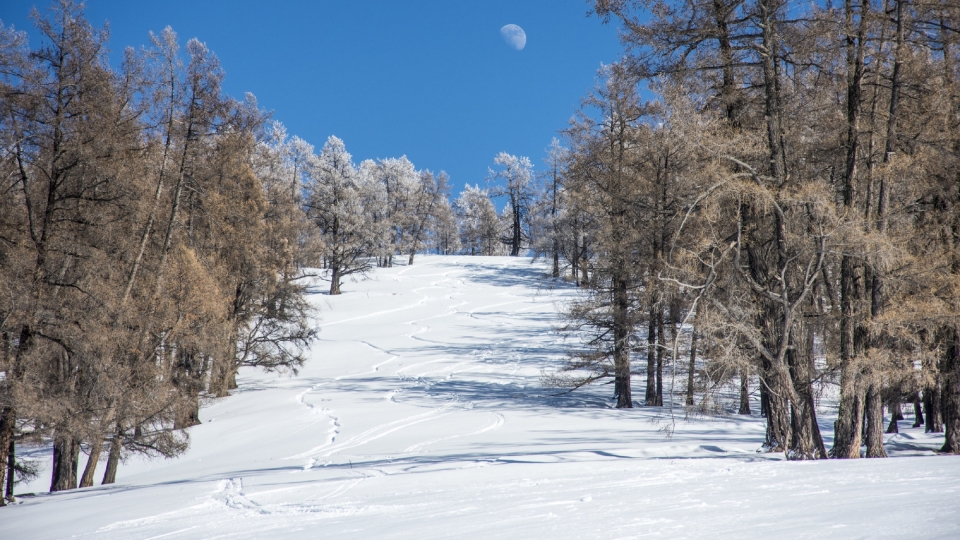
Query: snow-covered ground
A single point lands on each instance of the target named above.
(421, 415)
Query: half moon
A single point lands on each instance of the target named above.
(514, 36)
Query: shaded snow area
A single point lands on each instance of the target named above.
(421, 415)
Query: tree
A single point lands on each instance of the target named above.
(549, 205)
(335, 204)
(479, 224)
(516, 175)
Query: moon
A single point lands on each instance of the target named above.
(514, 36)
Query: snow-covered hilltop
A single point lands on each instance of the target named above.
(421, 414)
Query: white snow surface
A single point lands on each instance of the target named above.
(421, 415)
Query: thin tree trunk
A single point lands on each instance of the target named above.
(335, 279)
(846, 440)
(728, 90)
(744, 391)
(113, 459)
(621, 346)
(917, 410)
(874, 414)
(650, 396)
(86, 480)
(805, 441)
(895, 414)
(950, 385)
(692, 367)
(7, 427)
(575, 263)
(661, 347)
(556, 260)
(11, 467)
(584, 275)
(931, 405)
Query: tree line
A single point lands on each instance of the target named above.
(775, 187)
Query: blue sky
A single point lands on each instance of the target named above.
(429, 79)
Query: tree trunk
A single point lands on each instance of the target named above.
(621, 345)
(575, 260)
(931, 405)
(744, 391)
(917, 410)
(7, 426)
(805, 441)
(650, 396)
(778, 413)
(950, 387)
(515, 248)
(189, 416)
(86, 480)
(692, 367)
(895, 414)
(113, 460)
(874, 414)
(66, 453)
(11, 471)
(556, 259)
(846, 439)
(661, 347)
(335, 279)
(584, 276)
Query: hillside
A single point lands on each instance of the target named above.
(421, 415)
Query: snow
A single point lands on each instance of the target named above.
(421, 415)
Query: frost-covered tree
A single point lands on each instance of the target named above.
(513, 180)
(376, 204)
(548, 207)
(446, 234)
(480, 231)
(335, 203)
(422, 205)
(400, 182)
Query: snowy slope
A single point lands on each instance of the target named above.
(421, 415)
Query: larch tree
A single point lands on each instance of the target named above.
(513, 181)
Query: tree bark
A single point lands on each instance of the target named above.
(895, 414)
(66, 453)
(11, 467)
(661, 347)
(86, 479)
(846, 440)
(113, 459)
(7, 426)
(556, 260)
(335, 280)
(650, 396)
(691, 371)
(950, 388)
(874, 414)
(621, 346)
(931, 405)
(805, 441)
(917, 410)
(778, 414)
(744, 391)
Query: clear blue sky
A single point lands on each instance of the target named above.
(429, 79)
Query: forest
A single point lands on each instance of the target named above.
(760, 192)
